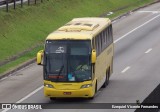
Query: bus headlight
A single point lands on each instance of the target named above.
(48, 85)
(86, 86)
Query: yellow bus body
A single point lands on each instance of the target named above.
(73, 88)
(103, 64)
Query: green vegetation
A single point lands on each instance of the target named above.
(25, 27)
(20, 60)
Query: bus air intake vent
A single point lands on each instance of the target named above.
(87, 25)
(78, 24)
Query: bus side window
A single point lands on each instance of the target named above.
(111, 34)
(105, 39)
(97, 50)
(102, 41)
(99, 42)
(107, 35)
(93, 43)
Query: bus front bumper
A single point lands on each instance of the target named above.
(84, 93)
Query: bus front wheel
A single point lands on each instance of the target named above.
(52, 98)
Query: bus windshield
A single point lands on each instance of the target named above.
(67, 61)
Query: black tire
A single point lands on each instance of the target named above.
(95, 89)
(107, 79)
(52, 98)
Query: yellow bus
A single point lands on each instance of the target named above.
(78, 58)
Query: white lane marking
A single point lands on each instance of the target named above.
(114, 21)
(4, 78)
(136, 28)
(149, 50)
(127, 68)
(154, 12)
(26, 97)
(30, 94)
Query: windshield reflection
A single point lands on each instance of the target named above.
(67, 61)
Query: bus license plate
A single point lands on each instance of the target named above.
(67, 93)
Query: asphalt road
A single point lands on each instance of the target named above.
(136, 68)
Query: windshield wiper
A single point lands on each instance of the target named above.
(60, 71)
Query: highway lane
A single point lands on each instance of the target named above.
(136, 63)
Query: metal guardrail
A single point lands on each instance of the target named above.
(3, 2)
(7, 3)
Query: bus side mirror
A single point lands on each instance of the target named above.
(93, 57)
(40, 57)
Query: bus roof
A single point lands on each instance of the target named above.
(80, 29)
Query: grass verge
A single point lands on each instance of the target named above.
(24, 27)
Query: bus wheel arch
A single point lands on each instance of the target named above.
(95, 87)
(95, 91)
(107, 78)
